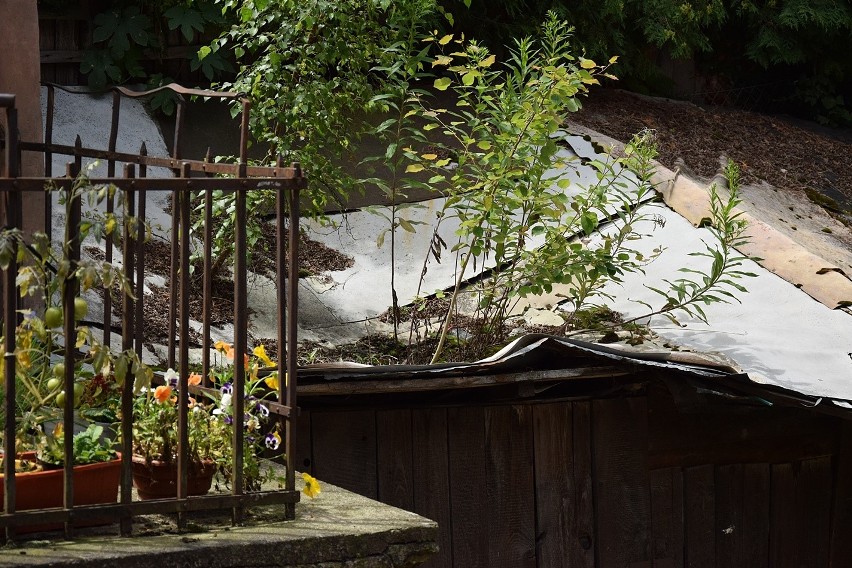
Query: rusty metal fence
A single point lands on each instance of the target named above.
(192, 177)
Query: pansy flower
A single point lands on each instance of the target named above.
(171, 377)
(272, 440)
(260, 353)
(312, 486)
(194, 379)
(162, 393)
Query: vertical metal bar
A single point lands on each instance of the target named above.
(207, 275)
(240, 315)
(173, 280)
(179, 116)
(240, 340)
(140, 258)
(175, 227)
(78, 157)
(110, 207)
(113, 131)
(292, 336)
(128, 329)
(10, 317)
(183, 371)
(70, 290)
(48, 134)
(48, 160)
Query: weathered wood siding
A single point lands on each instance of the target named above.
(605, 483)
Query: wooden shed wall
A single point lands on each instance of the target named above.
(628, 482)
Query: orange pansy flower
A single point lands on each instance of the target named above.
(162, 393)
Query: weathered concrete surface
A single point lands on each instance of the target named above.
(337, 529)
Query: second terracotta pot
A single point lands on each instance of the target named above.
(158, 480)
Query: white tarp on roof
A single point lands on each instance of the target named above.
(778, 334)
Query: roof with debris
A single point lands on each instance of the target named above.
(792, 331)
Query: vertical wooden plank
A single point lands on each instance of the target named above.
(841, 522)
(783, 537)
(755, 528)
(583, 556)
(813, 501)
(47, 42)
(304, 453)
(345, 450)
(622, 496)
(667, 517)
(510, 489)
(801, 508)
(394, 455)
(466, 439)
(699, 517)
(66, 40)
(554, 483)
(432, 478)
(729, 516)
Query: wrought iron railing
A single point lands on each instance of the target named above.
(193, 177)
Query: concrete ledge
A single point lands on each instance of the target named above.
(337, 529)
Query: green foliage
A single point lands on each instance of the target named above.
(750, 42)
(127, 33)
(310, 68)
(506, 187)
(89, 446)
(719, 284)
(45, 272)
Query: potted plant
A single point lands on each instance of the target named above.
(210, 430)
(44, 274)
(155, 442)
(39, 476)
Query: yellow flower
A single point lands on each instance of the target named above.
(222, 346)
(260, 353)
(312, 486)
(272, 381)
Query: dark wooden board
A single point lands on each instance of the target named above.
(583, 556)
(67, 39)
(813, 501)
(510, 486)
(432, 478)
(841, 524)
(699, 517)
(555, 496)
(667, 517)
(47, 41)
(729, 516)
(622, 496)
(783, 539)
(466, 443)
(345, 450)
(394, 454)
(755, 516)
(303, 458)
(734, 434)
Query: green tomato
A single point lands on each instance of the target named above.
(81, 308)
(52, 317)
(53, 384)
(59, 370)
(78, 392)
(60, 399)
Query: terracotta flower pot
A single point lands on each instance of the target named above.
(158, 480)
(93, 484)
